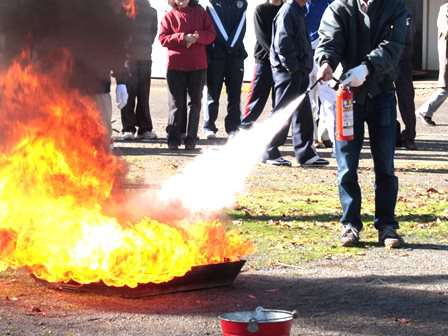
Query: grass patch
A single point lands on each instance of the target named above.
(294, 223)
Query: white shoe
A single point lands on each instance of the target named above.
(209, 134)
(148, 135)
(315, 161)
(280, 162)
(128, 136)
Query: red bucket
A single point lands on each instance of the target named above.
(261, 322)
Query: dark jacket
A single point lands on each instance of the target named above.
(263, 18)
(345, 37)
(229, 21)
(408, 51)
(291, 47)
(144, 31)
(97, 43)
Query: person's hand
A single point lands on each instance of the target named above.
(356, 76)
(190, 39)
(121, 96)
(325, 72)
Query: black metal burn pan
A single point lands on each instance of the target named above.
(198, 278)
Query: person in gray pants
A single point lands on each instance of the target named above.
(427, 110)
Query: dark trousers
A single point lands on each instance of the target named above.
(288, 87)
(405, 97)
(380, 115)
(136, 112)
(229, 70)
(183, 86)
(261, 86)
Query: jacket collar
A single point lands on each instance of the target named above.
(364, 5)
(294, 3)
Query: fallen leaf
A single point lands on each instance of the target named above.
(35, 309)
(12, 298)
(432, 190)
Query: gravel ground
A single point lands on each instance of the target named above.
(403, 292)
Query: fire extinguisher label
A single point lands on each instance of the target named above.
(347, 126)
(344, 115)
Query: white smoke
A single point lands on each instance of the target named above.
(212, 181)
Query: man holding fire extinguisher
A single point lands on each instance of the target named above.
(367, 38)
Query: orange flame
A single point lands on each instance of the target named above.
(129, 8)
(56, 178)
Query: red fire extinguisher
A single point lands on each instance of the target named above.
(344, 114)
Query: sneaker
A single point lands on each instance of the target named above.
(315, 161)
(349, 236)
(148, 135)
(209, 134)
(409, 144)
(280, 162)
(246, 125)
(318, 144)
(128, 136)
(190, 147)
(323, 144)
(173, 146)
(232, 134)
(390, 238)
(427, 120)
(327, 143)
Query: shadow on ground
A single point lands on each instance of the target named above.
(366, 305)
(329, 217)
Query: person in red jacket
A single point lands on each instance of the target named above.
(185, 31)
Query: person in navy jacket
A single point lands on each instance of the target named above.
(226, 63)
(292, 61)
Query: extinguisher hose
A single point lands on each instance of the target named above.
(309, 90)
(312, 86)
(317, 82)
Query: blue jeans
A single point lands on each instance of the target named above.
(380, 114)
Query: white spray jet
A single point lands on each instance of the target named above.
(212, 181)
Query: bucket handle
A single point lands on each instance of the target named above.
(292, 313)
(252, 327)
